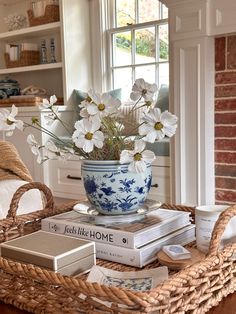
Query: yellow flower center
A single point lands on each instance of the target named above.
(89, 136)
(88, 99)
(35, 120)
(9, 122)
(137, 157)
(101, 107)
(158, 126)
(148, 103)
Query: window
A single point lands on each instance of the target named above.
(138, 43)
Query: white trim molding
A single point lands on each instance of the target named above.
(193, 25)
(99, 20)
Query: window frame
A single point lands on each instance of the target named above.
(111, 7)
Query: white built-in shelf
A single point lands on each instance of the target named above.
(37, 67)
(7, 2)
(29, 32)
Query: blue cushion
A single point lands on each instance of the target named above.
(80, 95)
(163, 98)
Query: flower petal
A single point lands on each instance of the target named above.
(134, 96)
(88, 146)
(137, 166)
(148, 156)
(152, 136)
(126, 157)
(14, 111)
(53, 100)
(139, 146)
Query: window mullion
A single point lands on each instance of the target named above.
(157, 53)
(140, 25)
(160, 10)
(136, 11)
(133, 49)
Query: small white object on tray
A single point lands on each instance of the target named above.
(176, 252)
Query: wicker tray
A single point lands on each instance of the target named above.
(27, 57)
(193, 290)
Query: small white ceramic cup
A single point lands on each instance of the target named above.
(206, 217)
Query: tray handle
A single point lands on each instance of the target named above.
(26, 187)
(219, 229)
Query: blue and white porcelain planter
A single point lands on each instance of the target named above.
(112, 189)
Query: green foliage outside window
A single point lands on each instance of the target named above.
(145, 45)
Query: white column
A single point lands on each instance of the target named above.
(192, 100)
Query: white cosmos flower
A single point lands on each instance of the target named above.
(84, 113)
(156, 125)
(138, 158)
(48, 104)
(103, 105)
(87, 100)
(34, 146)
(52, 116)
(8, 122)
(54, 152)
(143, 89)
(87, 134)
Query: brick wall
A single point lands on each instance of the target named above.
(225, 119)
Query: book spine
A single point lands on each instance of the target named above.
(113, 236)
(97, 234)
(141, 257)
(122, 255)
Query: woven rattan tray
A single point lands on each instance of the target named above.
(27, 57)
(193, 290)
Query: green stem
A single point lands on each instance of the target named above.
(40, 128)
(134, 129)
(63, 123)
(135, 104)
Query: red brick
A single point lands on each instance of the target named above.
(226, 183)
(225, 91)
(225, 78)
(225, 157)
(220, 53)
(225, 104)
(231, 52)
(225, 144)
(225, 118)
(224, 203)
(225, 131)
(228, 196)
(225, 170)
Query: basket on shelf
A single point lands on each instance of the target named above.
(51, 15)
(195, 289)
(27, 57)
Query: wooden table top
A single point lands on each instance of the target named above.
(226, 306)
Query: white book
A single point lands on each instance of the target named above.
(146, 254)
(131, 231)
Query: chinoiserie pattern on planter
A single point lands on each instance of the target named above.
(110, 187)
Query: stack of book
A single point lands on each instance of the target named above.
(130, 239)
